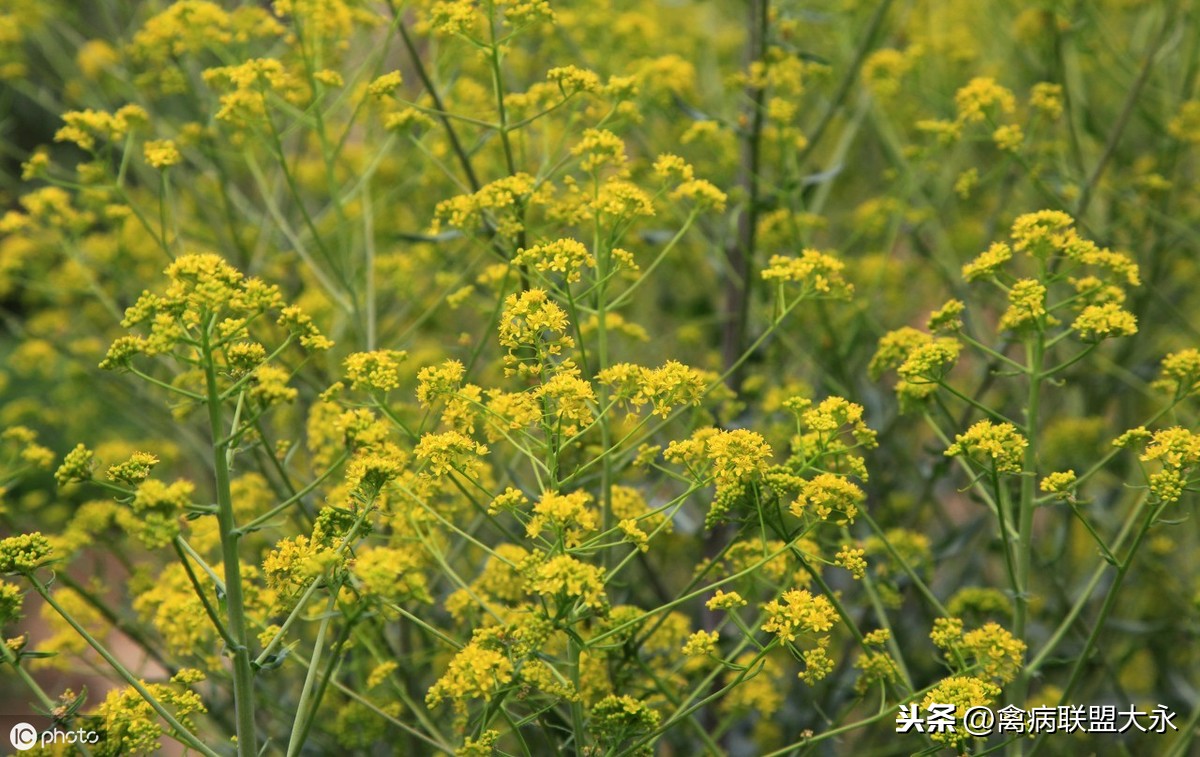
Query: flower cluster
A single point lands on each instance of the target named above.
(623, 489)
(566, 257)
(499, 206)
(921, 362)
(568, 581)
(1180, 373)
(665, 388)
(1097, 276)
(733, 460)
(964, 692)
(85, 127)
(207, 305)
(133, 726)
(1176, 450)
(24, 553)
(474, 673)
(534, 330)
(449, 451)
(989, 652)
(377, 371)
(799, 613)
(827, 493)
(569, 515)
(999, 447)
(817, 274)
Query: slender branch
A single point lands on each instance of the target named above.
(738, 286)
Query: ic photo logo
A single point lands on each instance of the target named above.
(24, 736)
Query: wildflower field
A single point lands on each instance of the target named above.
(598, 378)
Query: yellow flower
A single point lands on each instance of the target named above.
(564, 576)
(1185, 126)
(95, 58)
(76, 466)
(987, 263)
(11, 599)
(367, 473)
(454, 17)
(999, 443)
(439, 382)
(24, 552)
(531, 319)
(982, 97)
(133, 727)
(1180, 373)
(568, 401)
(329, 77)
(599, 147)
(994, 651)
(248, 86)
(568, 514)
(564, 256)
(161, 153)
(377, 371)
(28, 451)
(673, 167)
(448, 451)
(926, 365)
(884, 69)
(963, 692)
(1042, 232)
(876, 667)
(1047, 98)
(723, 600)
(84, 127)
(394, 575)
(572, 79)
(1027, 305)
(946, 319)
(1008, 137)
(826, 493)
(617, 718)
(817, 273)
(852, 560)
(134, 470)
(702, 192)
(498, 203)
(1059, 482)
(385, 85)
(154, 512)
(1096, 322)
(270, 385)
(669, 386)
(798, 612)
(702, 644)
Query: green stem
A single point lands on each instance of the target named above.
(1028, 485)
(44, 698)
(201, 594)
(316, 583)
(267, 516)
(243, 674)
(1127, 108)
(1187, 734)
(1069, 620)
(1035, 352)
(183, 734)
(300, 723)
(1110, 601)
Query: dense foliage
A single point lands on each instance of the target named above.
(598, 378)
